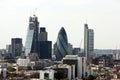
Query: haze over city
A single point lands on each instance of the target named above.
(102, 16)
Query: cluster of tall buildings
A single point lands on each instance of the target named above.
(37, 43)
(38, 52)
(36, 40)
(15, 49)
(63, 61)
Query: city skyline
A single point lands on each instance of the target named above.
(102, 16)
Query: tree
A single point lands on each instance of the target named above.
(90, 77)
(10, 78)
(11, 69)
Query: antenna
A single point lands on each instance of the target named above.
(35, 11)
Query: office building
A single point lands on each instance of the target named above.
(31, 44)
(23, 62)
(45, 50)
(16, 47)
(45, 46)
(83, 67)
(3, 51)
(43, 34)
(46, 75)
(91, 44)
(36, 40)
(64, 71)
(61, 46)
(76, 51)
(70, 48)
(79, 62)
(86, 39)
(88, 43)
(2, 54)
(9, 48)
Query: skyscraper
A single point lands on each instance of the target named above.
(61, 46)
(86, 39)
(9, 48)
(88, 42)
(45, 46)
(16, 47)
(45, 49)
(43, 34)
(91, 44)
(31, 44)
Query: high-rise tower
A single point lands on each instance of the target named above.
(43, 34)
(86, 39)
(91, 44)
(88, 42)
(45, 46)
(31, 44)
(16, 47)
(61, 46)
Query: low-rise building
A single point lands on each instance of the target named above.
(23, 62)
(79, 62)
(46, 74)
(63, 71)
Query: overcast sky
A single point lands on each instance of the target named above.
(101, 15)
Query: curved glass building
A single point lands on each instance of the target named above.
(61, 46)
(32, 36)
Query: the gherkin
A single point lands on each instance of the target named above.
(61, 46)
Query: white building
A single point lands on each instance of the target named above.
(23, 62)
(82, 60)
(79, 62)
(68, 70)
(48, 73)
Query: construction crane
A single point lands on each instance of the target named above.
(80, 44)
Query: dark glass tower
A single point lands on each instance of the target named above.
(45, 49)
(31, 44)
(45, 46)
(16, 47)
(61, 46)
(43, 34)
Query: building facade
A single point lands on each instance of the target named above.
(76, 51)
(9, 48)
(45, 50)
(36, 40)
(43, 34)
(16, 47)
(70, 48)
(45, 46)
(61, 46)
(46, 75)
(79, 62)
(23, 62)
(31, 44)
(88, 43)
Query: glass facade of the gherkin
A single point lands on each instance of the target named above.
(32, 36)
(61, 46)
